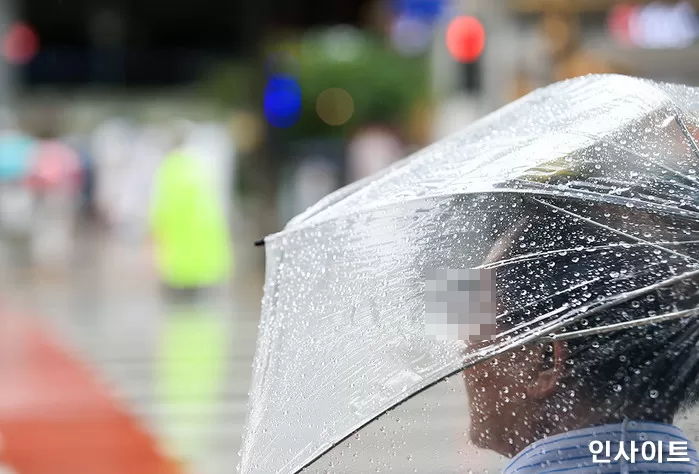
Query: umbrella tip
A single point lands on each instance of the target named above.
(260, 243)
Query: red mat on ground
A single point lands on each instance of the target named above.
(56, 418)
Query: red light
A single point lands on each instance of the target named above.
(465, 38)
(619, 22)
(20, 43)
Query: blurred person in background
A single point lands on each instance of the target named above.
(134, 184)
(188, 222)
(570, 59)
(557, 51)
(55, 180)
(371, 149)
(16, 203)
(112, 145)
(80, 143)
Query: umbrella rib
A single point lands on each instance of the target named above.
(530, 256)
(533, 190)
(622, 325)
(616, 231)
(687, 135)
(627, 296)
(547, 315)
(439, 379)
(692, 180)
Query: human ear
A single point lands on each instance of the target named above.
(550, 371)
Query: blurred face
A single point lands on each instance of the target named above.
(508, 397)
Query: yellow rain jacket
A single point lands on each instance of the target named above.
(188, 222)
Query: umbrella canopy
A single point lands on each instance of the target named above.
(572, 212)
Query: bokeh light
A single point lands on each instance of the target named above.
(20, 43)
(425, 10)
(282, 101)
(619, 22)
(659, 25)
(247, 128)
(465, 38)
(410, 36)
(335, 106)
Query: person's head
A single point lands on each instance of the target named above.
(543, 271)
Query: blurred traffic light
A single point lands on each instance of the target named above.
(465, 41)
(20, 43)
(465, 38)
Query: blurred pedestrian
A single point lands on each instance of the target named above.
(192, 243)
(16, 203)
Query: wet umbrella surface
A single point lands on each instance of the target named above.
(533, 275)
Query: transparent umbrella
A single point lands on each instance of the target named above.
(532, 275)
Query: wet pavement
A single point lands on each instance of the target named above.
(177, 366)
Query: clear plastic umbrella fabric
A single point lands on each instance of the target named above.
(535, 274)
